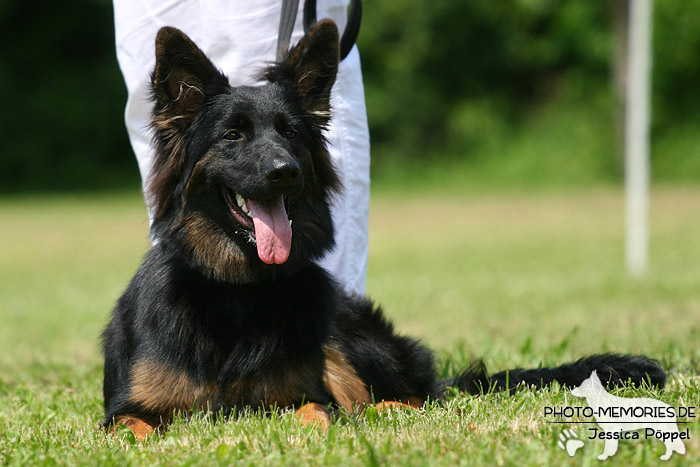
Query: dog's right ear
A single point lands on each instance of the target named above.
(183, 75)
(182, 80)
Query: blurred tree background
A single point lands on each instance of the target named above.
(494, 93)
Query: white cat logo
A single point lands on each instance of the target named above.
(618, 415)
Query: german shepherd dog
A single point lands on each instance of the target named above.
(229, 309)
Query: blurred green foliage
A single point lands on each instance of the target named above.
(517, 91)
(63, 100)
(522, 91)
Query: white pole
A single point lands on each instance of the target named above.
(637, 136)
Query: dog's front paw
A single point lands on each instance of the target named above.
(314, 414)
(138, 426)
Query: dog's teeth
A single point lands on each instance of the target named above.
(290, 222)
(242, 203)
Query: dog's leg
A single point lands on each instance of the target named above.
(140, 427)
(313, 413)
(411, 403)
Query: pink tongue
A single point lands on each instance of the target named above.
(273, 233)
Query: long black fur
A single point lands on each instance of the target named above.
(204, 322)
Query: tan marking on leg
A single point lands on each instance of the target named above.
(391, 405)
(411, 403)
(341, 380)
(416, 402)
(159, 389)
(140, 427)
(313, 413)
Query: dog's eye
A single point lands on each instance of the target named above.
(233, 135)
(290, 134)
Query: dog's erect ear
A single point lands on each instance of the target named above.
(183, 74)
(312, 64)
(182, 80)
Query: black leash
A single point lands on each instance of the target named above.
(352, 28)
(289, 15)
(309, 14)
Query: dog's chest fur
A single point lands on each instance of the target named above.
(222, 345)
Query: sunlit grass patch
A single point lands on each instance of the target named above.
(518, 279)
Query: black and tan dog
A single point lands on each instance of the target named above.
(229, 308)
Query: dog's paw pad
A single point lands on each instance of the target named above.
(568, 441)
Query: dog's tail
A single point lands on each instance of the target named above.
(613, 369)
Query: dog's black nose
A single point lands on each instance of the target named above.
(283, 171)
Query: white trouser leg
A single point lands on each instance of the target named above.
(240, 37)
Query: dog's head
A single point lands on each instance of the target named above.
(241, 176)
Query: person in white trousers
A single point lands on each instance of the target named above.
(240, 37)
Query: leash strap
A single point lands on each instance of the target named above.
(287, 19)
(309, 14)
(352, 28)
(289, 15)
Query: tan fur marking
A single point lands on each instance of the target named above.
(342, 382)
(159, 389)
(416, 402)
(211, 247)
(138, 426)
(166, 169)
(413, 403)
(313, 413)
(209, 244)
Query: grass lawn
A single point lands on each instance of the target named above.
(518, 278)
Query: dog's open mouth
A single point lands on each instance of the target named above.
(269, 222)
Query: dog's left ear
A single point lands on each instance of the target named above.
(312, 65)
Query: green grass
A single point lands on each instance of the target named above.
(519, 278)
